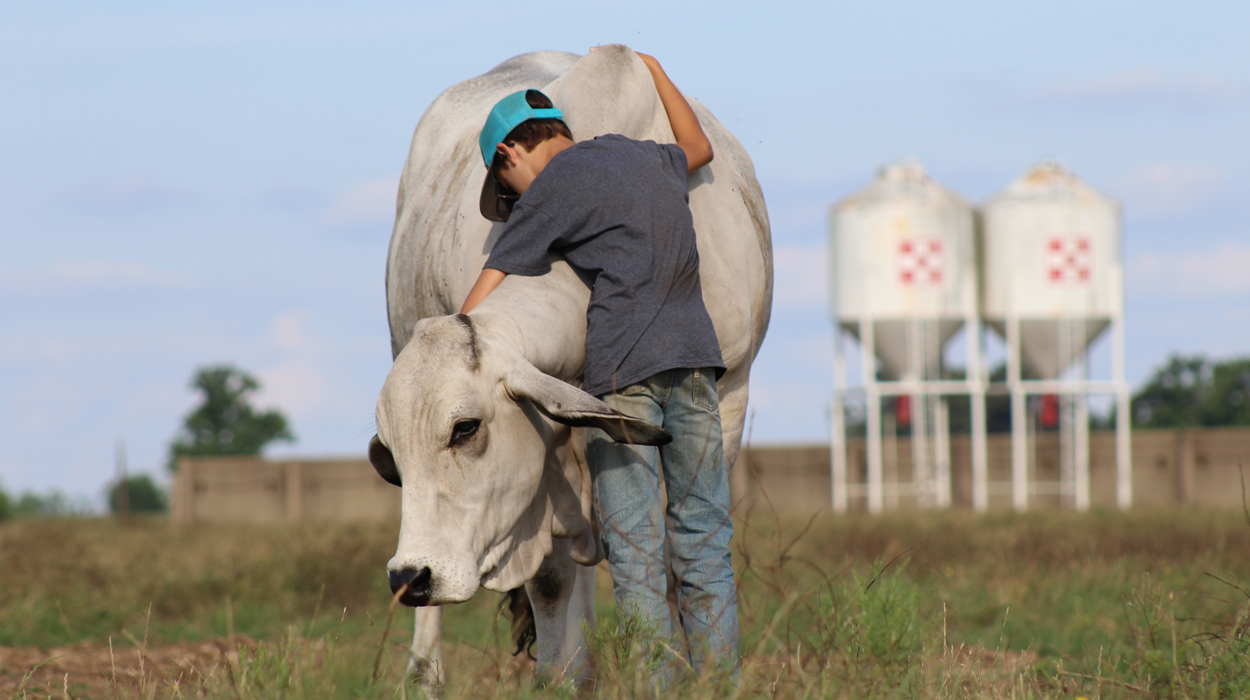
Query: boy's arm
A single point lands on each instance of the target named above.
(690, 136)
(486, 283)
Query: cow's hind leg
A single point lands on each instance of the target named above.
(425, 660)
(562, 597)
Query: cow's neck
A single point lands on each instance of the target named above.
(544, 318)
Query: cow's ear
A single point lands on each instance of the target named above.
(572, 406)
(383, 461)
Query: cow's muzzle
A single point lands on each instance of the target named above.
(418, 581)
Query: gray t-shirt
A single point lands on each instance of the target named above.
(618, 211)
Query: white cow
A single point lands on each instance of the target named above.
(477, 417)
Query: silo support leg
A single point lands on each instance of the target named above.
(838, 455)
(1080, 495)
(1123, 453)
(1019, 452)
(942, 452)
(980, 460)
(876, 485)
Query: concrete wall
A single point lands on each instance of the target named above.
(234, 489)
(1170, 467)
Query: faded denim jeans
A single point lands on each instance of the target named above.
(626, 481)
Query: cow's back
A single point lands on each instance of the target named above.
(611, 91)
(441, 241)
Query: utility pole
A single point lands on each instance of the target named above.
(123, 481)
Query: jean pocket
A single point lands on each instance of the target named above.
(633, 389)
(705, 396)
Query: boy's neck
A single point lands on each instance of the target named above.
(532, 163)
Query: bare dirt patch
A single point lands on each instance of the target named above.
(95, 670)
(92, 670)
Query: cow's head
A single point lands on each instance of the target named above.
(477, 436)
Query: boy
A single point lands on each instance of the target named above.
(618, 211)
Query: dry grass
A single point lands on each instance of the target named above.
(1044, 605)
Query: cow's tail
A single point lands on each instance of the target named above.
(524, 633)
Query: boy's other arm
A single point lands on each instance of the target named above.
(485, 284)
(686, 129)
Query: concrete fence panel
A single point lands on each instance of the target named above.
(1170, 467)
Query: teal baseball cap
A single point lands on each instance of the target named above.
(505, 116)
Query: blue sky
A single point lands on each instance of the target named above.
(193, 183)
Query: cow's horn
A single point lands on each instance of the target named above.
(572, 406)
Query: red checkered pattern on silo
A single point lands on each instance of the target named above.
(1069, 258)
(920, 261)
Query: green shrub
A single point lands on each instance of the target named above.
(142, 495)
(54, 505)
(879, 624)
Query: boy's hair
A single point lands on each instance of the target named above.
(532, 132)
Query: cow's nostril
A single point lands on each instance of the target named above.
(418, 581)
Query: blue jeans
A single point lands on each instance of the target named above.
(631, 516)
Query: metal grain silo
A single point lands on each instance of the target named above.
(903, 282)
(1052, 282)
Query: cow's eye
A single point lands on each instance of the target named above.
(463, 430)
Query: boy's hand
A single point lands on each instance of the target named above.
(686, 128)
(649, 60)
(486, 283)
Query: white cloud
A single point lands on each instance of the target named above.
(93, 32)
(83, 275)
(1208, 273)
(43, 407)
(198, 346)
(783, 214)
(16, 349)
(800, 277)
(297, 387)
(308, 380)
(287, 330)
(371, 202)
(1146, 88)
(1169, 188)
(127, 197)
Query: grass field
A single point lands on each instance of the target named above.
(1098, 605)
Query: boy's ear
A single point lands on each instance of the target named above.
(502, 150)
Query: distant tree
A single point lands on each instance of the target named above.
(53, 505)
(1172, 397)
(1192, 391)
(142, 495)
(6, 505)
(1228, 401)
(31, 505)
(1103, 421)
(225, 422)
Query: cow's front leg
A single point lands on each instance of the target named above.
(425, 660)
(562, 597)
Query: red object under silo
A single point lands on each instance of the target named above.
(902, 411)
(1050, 410)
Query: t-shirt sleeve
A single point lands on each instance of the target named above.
(523, 245)
(675, 159)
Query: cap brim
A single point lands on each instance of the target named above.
(494, 207)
